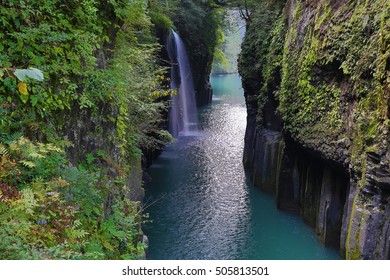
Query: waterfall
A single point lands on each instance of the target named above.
(182, 116)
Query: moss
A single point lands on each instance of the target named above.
(352, 253)
(297, 10)
(261, 52)
(326, 64)
(161, 21)
(306, 100)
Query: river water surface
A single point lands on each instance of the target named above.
(203, 206)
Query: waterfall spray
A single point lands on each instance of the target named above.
(183, 116)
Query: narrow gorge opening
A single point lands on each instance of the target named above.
(207, 206)
(309, 142)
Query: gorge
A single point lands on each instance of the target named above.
(99, 128)
(317, 124)
(202, 204)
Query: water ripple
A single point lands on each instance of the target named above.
(206, 208)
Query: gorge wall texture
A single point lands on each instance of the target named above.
(316, 76)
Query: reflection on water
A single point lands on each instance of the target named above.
(203, 207)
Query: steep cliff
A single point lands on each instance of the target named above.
(319, 73)
(98, 98)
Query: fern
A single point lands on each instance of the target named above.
(28, 201)
(74, 232)
(3, 150)
(49, 210)
(27, 163)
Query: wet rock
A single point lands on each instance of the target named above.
(343, 187)
(268, 151)
(330, 213)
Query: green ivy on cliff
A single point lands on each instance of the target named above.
(261, 51)
(98, 100)
(322, 67)
(352, 59)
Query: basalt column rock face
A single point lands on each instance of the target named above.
(331, 207)
(367, 232)
(323, 68)
(268, 148)
(301, 183)
(315, 190)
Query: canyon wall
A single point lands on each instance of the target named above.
(316, 76)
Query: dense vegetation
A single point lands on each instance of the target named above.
(305, 67)
(96, 101)
(82, 93)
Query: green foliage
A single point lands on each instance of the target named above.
(198, 23)
(256, 41)
(59, 212)
(139, 112)
(229, 44)
(158, 15)
(302, 100)
(259, 60)
(59, 43)
(328, 73)
(99, 78)
(64, 42)
(22, 160)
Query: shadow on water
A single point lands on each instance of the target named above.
(204, 207)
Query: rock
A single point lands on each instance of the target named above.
(336, 176)
(268, 152)
(384, 183)
(146, 177)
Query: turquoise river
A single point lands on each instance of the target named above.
(201, 203)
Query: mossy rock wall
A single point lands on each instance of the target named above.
(324, 68)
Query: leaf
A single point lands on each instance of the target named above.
(28, 164)
(35, 74)
(22, 87)
(89, 158)
(20, 74)
(32, 73)
(3, 150)
(24, 98)
(34, 100)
